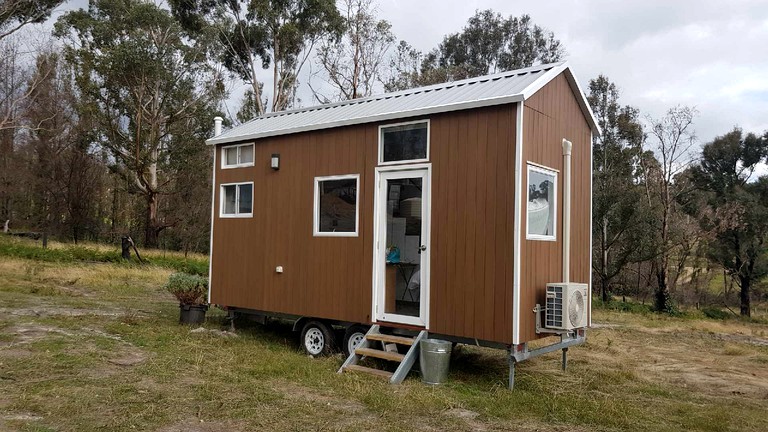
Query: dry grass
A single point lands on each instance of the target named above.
(97, 347)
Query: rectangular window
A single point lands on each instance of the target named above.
(404, 142)
(236, 200)
(237, 156)
(336, 205)
(542, 203)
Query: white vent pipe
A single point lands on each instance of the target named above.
(217, 126)
(567, 147)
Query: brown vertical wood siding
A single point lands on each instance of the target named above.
(472, 157)
(550, 115)
(472, 153)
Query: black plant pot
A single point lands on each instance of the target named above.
(192, 314)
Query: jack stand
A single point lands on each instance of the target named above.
(518, 353)
(565, 358)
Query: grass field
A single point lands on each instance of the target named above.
(96, 346)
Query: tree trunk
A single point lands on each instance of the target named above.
(151, 230)
(604, 263)
(746, 310)
(662, 291)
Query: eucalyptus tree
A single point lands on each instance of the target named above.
(15, 14)
(618, 221)
(733, 207)
(63, 172)
(148, 90)
(354, 64)
(259, 34)
(488, 43)
(669, 152)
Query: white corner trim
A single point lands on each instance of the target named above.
(546, 171)
(517, 224)
(404, 161)
(591, 174)
(237, 201)
(213, 217)
(316, 207)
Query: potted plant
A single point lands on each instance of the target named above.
(191, 291)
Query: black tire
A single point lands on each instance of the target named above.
(353, 332)
(317, 339)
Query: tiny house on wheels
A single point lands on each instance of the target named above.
(460, 211)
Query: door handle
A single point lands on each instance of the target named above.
(423, 248)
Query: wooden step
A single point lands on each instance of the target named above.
(386, 355)
(376, 372)
(390, 339)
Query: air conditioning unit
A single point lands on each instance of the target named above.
(566, 306)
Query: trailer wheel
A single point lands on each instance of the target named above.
(352, 337)
(317, 339)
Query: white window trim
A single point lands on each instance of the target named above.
(237, 201)
(237, 165)
(546, 171)
(407, 161)
(316, 207)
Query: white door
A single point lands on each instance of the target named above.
(401, 245)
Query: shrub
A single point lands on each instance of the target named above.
(189, 289)
(714, 313)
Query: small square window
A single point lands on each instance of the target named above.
(542, 203)
(405, 142)
(236, 200)
(336, 206)
(237, 156)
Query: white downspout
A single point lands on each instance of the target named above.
(216, 132)
(567, 147)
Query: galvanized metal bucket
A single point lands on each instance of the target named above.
(434, 360)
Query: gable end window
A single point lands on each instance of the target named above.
(542, 204)
(237, 156)
(404, 142)
(236, 200)
(337, 206)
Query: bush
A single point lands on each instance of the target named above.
(715, 313)
(189, 289)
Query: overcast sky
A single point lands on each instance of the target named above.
(709, 54)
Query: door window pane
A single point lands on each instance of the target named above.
(402, 277)
(336, 210)
(404, 142)
(541, 203)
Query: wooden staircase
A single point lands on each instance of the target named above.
(367, 349)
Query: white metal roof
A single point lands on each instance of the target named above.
(501, 88)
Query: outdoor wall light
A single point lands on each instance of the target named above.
(275, 161)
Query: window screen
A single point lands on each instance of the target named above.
(404, 142)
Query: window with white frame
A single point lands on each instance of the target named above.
(237, 156)
(404, 142)
(542, 203)
(337, 205)
(236, 200)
